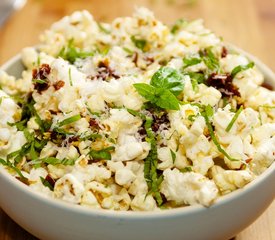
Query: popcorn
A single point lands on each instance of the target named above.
(69, 189)
(191, 132)
(188, 188)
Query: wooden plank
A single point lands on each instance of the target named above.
(248, 23)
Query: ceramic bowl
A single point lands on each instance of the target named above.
(53, 219)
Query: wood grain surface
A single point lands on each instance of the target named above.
(249, 24)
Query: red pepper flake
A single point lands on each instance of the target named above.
(59, 84)
(224, 52)
(224, 83)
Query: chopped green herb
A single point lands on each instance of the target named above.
(180, 23)
(136, 114)
(103, 29)
(103, 154)
(46, 183)
(233, 120)
(207, 114)
(173, 155)
(210, 60)
(267, 106)
(39, 81)
(1, 99)
(70, 77)
(91, 136)
(71, 53)
(139, 43)
(240, 68)
(69, 120)
(53, 161)
(13, 167)
(150, 164)
(196, 78)
(188, 62)
(128, 50)
(186, 169)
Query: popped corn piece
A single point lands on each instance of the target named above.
(99, 191)
(88, 199)
(202, 164)
(143, 202)
(124, 177)
(230, 180)
(165, 156)
(188, 188)
(69, 189)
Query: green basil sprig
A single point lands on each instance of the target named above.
(166, 84)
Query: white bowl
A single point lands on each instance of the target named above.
(52, 219)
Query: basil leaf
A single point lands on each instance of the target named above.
(54, 161)
(145, 90)
(173, 155)
(151, 162)
(71, 53)
(186, 169)
(191, 62)
(180, 23)
(207, 114)
(46, 183)
(240, 68)
(168, 78)
(139, 43)
(69, 120)
(211, 61)
(91, 136)
(167, 100)
(103, 154)
(13, 167)
(103, 29)
(233, 120)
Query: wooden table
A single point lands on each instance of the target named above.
(250, 24)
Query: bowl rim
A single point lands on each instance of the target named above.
(167, 213)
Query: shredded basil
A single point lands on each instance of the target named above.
(150, 164)
(103, 29)
(186, 169)
(46, 183)
(233, 120)
(139, 43)
(188, 62)
(173, 155)
(70, 77)
(13, 167)
(180, 23)
(240, 68)
(103, 154)
(210, 60)
(71, 53)
(69, 120)
(207, 114)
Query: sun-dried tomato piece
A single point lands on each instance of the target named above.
(224, 83)
(59, 84)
